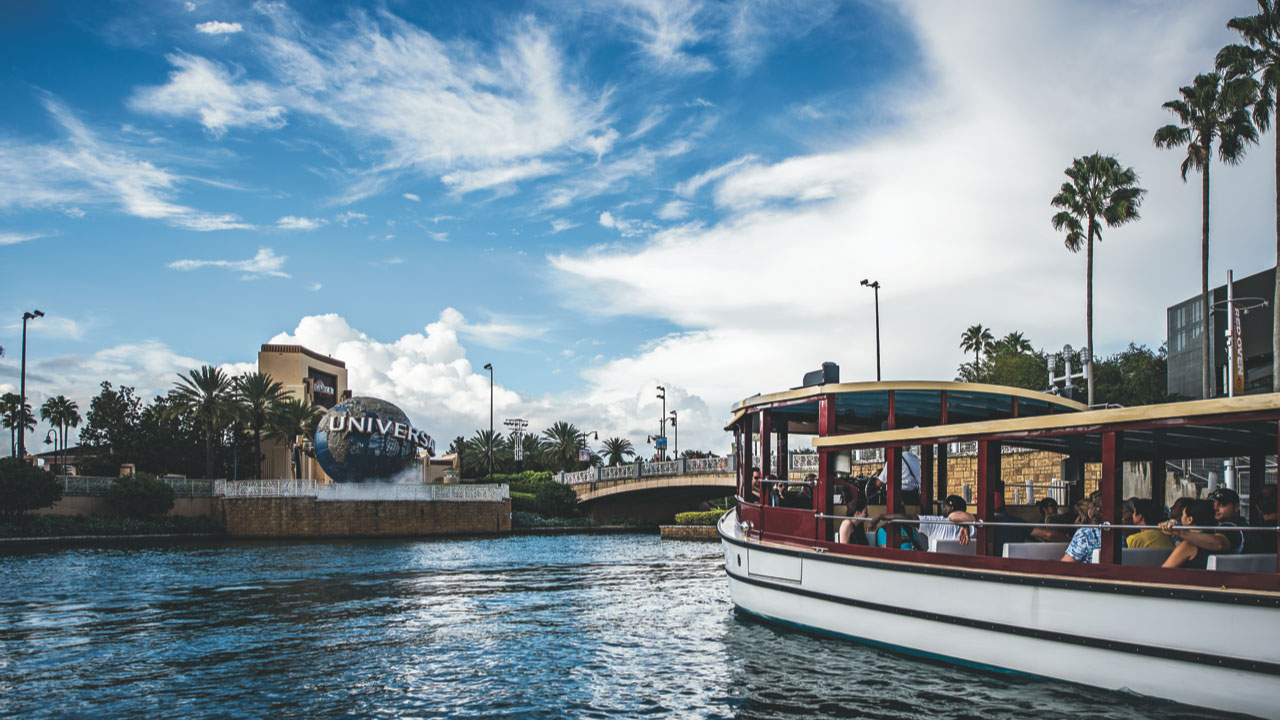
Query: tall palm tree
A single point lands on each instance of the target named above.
(290, 419)
(14, 414)
(62, 413)
(1015, 342)
(618, 449)
(564, 440)
(476, 453)
(207, 396)
(258, 396)
(1259, 58)
(976, 340)
(1210, 109)
(1099, 190)
(533, 450)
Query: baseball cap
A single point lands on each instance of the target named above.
(1225, 495)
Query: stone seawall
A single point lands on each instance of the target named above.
(688, 532)
(298, 517)
(97, 505)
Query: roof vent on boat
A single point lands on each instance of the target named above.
(830, 373)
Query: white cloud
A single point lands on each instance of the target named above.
(189, 6)
(315, 286)
(560, 225)
(53, 326)
(206, 89)
(264, 263)
(674, 210)
(86, 169)
(665, 31)
(216, 27)
(290, 222)
(627, 228)
(349, 217)
(757, 26)
(465, 181)
(411, 196)
(690, 187)
(13, 238)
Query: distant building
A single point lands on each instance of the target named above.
(1183, 338)
(310, 377)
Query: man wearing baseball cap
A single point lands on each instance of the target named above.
(1226, 508)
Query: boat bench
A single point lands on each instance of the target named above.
(1139, 557)
(1035, 550)
(1261, 562)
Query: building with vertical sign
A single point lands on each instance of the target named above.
(308, 376)
(1252, 339)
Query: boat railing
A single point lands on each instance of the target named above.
(1106, 527)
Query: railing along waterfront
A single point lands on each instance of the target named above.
(643, 469)
(90, 485)
(336, 492)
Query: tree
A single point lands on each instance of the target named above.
(976, 340)
(1134, 376)
(1210, 109)
(17, 416)
(62, 413)
(564, 440)
(476, 453)
(1259, 58)
(290, 420)
(1014, 342)
(208, 396)
(112, 429)
(1099, 190)
(258, 396)
(618, 449)
(25, 487)
(533, 450)
(140, 496)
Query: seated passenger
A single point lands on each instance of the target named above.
(1263, 515)
(1086, 539)
(1049, 514)
(855, 530)
(1196, 545)
(1226, 510)
(1147, 512)
(944, 526)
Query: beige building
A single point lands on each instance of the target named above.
(310, 377)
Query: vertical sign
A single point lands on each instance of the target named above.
(1237, 350)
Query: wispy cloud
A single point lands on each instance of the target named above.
(627, 228)
(290, 222)
(665, 31)
(13, 238)
(349, 217)
(690, 187)
(411, 196)
(217, 27)
(264, 263)
(220, 98)
(560, 225)
(674, 210)
(84, 168)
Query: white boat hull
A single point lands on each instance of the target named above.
(1193, 648)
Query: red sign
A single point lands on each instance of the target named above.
(1237, 350)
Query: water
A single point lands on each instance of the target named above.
(519, 627)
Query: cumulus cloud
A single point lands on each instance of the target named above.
(674, 210)
(218, 96)
(216, 27)
(263, 264)
(290, 222)
(84, 168)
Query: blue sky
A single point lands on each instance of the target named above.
(597, 197)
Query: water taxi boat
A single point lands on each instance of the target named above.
(1203, 637)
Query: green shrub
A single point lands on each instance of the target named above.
(533, 520)
(140, 496)
(523, 502)
(707, 517)
(25, 487)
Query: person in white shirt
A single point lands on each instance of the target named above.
(910, 477)
(945, 526)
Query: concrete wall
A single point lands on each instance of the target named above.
(307, 517)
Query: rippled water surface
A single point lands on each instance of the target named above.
(572, 626)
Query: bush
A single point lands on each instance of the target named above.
(523, 502)
(140, 496)
(699, 517)
(25, 487)
(533, 520)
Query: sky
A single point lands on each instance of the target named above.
(598, 198)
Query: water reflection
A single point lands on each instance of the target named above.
(578, 626)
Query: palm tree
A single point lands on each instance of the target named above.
(258, 395)
(290, 419)
(618, 449)
(207, 396)
(476, 453)
(1016, 343)
(976, 340)
(1099, 190)
(1259, 57)
(13, 414)
(1210, 109)
(61, 412)
(564, 441)
(533, 450)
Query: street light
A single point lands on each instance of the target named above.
(489, 367)
(662, 421)
(22, 404)
(875, 285)
(676, 428)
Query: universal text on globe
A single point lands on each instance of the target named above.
(370, 425)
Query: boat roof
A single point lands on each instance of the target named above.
(864, 406)
(1220, 427)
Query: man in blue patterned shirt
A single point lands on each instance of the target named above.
(1086, 539)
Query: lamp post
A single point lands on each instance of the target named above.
(662, 421)
(22, 404)
(676, 429)
(875, 285)
(489, 367)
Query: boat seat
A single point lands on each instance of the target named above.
(1260, 562)
(1138, 557)
(1035, 550)
(952, 547)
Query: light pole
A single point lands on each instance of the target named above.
(517, 426)
(875, 285)
(22, 404)
(676, 429)
(662, 422)
(489, 367)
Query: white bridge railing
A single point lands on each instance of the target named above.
(336, 492)
(663, 468)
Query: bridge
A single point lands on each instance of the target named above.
(658, 490)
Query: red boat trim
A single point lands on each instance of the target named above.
(1234, 663)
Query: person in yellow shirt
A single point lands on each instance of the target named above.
(1147, 512)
